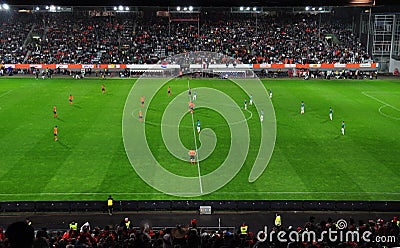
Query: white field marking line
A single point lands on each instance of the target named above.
(5, 93)
(246, 119)
(166, 125)
(195, 144)
(220, 125)
(137, 114)
(386, 115)
(378, 100)
(384, 105)
(218, 193)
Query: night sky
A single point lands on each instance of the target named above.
(203, 3)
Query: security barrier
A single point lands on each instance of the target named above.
(194, 205)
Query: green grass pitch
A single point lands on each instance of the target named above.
(311, 159)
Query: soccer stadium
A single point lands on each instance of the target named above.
(214, 124)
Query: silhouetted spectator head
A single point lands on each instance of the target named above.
(20, 235)
(193, 223)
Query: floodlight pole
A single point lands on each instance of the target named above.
(319, 26)
(256, 25)
(169, 25)
(369, 29)
(392, 38)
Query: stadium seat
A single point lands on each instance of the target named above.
(293, 205)
(360, 206)
(154, 205)
(310, 205)
(326, 205)
(261, 205)
(8, 207)
(319, 205)
(78, 206)
(18, 207)
(246, 205)
(126, 206)
(57, 206)
(394, 206)
(229, 205)
(378, 206)
(185, 205)
(222, 205)
(95, 206)
(344, 206)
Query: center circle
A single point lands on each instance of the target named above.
(149, 166)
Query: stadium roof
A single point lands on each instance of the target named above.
(206, 3)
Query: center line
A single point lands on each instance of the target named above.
(195, 144)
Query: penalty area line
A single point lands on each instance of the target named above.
(6, 93)
(386, 115)
(378, 100)
(383, 106)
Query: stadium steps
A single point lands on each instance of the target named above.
(28, 40)
(29, 36)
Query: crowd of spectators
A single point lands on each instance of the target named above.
(13, 34)
(23, 235)
(136, 39)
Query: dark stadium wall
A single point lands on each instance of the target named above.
(194, 205)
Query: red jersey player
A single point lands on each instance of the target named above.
(192, 153)
(142, 101)
(191, 107)
(55, 131)
(55, 111)
(140, 116)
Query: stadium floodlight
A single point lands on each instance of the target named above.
(37, 8)
(185, 9)
(126, 8)
(120, 8)
(115, 8)
(5, 6)
(254, 8)
(58, 8)
(190, 8)
(307, 8)
(241, 8)
(320, 8)
(178, 8)
(47, 7)
(248, 8)
(52, 8)
(313, 8)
